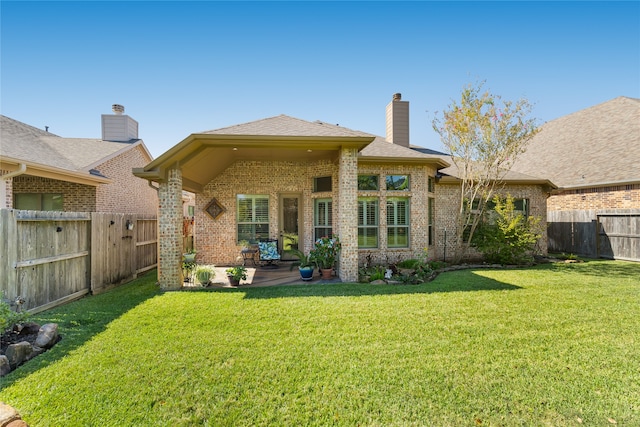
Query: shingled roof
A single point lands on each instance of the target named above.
(593, 147)
(22, 142)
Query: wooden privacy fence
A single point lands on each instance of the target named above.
(49, 258)
(613, 233)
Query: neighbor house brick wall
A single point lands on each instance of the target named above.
(76, 197)
(8, 191)
(612, 197)
(126, 193)
(448, 205)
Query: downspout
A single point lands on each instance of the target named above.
(22, 168)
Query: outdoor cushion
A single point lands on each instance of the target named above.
(269, 250)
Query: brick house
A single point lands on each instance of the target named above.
(43, 171)
(593, 156)
(294, 180)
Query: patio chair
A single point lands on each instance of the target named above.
(269, 255)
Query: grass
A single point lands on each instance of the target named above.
(549, 345)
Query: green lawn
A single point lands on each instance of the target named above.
(551, 345)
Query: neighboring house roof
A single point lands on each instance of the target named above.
(450, 173)
(597, 146)
(67, 158)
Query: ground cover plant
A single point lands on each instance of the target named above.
(555, 344)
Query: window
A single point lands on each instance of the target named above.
(397, 182)
(191, 210)
(431, 184)
(368, 182)
(322, 218)
(398, 222)
(368, 222)
(253, 217)
(38, 201)
(430, 219)
(322, 183)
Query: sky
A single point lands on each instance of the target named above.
(187, 67)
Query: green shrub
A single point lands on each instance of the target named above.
(9, 317)
(510, 237)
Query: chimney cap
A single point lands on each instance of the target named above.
(397, 96)
(117, 108)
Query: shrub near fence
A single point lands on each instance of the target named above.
(49, 258)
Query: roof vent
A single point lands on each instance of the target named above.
(117, 108)
(397, 96)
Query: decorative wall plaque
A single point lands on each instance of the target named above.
(215, 209)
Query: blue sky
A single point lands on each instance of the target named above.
(185, 67)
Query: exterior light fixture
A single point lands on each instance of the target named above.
(129, 225)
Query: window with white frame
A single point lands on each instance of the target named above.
(398, 222)
(252, 217)
(322, 218)
(367, 222)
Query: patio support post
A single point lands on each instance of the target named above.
(170, 231)
(348, 216)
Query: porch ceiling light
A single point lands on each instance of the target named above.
(235, 148)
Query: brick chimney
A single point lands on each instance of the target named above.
(398, 121)
(118, 126)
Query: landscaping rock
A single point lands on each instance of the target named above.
(47, 336)
(27, 328)
(5, 367)
(18, 353)
(378, 282)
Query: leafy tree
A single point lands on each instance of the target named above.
(484, 135)
(506, 236)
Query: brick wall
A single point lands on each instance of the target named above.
(448, 205)
(215, 240)
(612, 197)
(126, 193)
(76, 197)
(8, 191)
(170, 231)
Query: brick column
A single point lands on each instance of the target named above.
(170, 231)
(348, 214)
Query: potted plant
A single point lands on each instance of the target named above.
(187, 269)
(304, 263)
(235, 274)
(189, 256)
(325, 254)
(204, 274)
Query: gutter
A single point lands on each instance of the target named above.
(22, 168)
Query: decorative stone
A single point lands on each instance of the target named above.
(378, 282)
(29, 328)
(47, 336)
(18, 353)
(5, 367)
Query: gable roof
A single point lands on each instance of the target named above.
(283, 125)
(593, 147)
(202, 156)
(66, 159)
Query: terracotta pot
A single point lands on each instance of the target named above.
(326, 273)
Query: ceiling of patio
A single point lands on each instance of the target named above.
(204, 157)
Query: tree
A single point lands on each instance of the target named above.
(484, 135)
